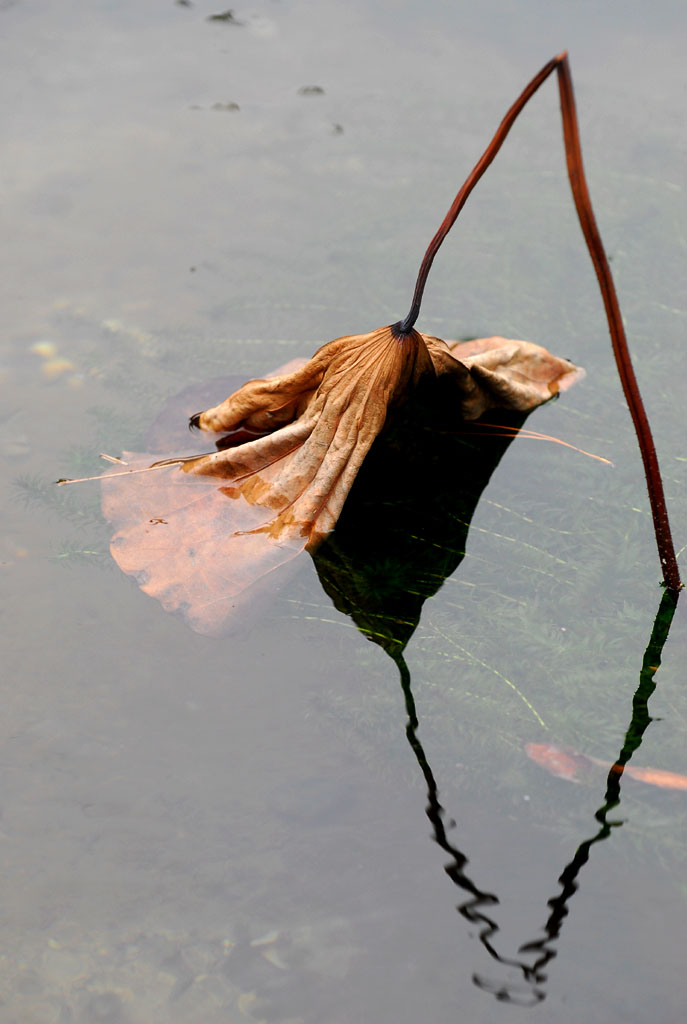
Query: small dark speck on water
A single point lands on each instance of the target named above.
(311, 90)
(227, 17)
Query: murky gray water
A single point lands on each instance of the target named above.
(202, 830)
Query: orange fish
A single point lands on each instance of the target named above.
(569, 764)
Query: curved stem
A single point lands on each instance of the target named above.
(404, 326)
(585, 213)
(583, 205)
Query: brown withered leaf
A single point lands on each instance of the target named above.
(200, 535)
(324, 417)
(507, 374)
(297, 440)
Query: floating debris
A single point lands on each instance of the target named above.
(267, 939)
(54, 366)
(113, 458)
(53, 369)
(118, 327)
(227, 17)
(45, 349)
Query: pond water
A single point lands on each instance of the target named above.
(198, 830)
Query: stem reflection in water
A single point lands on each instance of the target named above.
(534, 956)
(391, 550)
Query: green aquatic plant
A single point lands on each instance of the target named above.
(71, 553)
(34, 492)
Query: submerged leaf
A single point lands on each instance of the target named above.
(189, 544)
(574, 767)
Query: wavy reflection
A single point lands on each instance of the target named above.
(544, 948)
(393, 549)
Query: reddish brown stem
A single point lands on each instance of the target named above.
(583, 205)
(585, 213)
(473, 177)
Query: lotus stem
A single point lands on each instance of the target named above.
(585, 213)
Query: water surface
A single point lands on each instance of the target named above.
(197, 830)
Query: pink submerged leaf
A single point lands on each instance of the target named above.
(189, 544)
